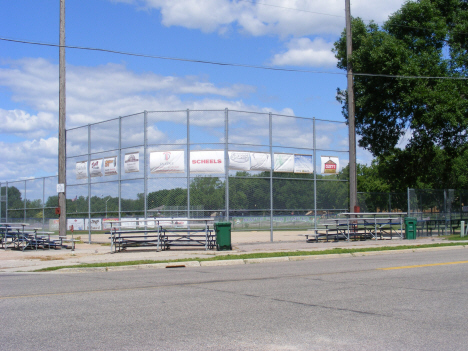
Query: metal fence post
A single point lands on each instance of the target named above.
(145, 167)
(6, 203)
(43, 203)
(24, 202)
(315, 175)
(445, 210)
(89, 184)
(271, 173)
(188, 163)
(226, 163)
(120, 168)
(408, 213)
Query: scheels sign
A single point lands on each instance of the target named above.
(206, 161)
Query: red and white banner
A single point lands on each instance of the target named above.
(167, 161)
(207, 161)
(75, 224)
(260, 161)
(284, 163)
(54, 224)
(107, 225)
(239, 160)
(95, 168)
(330, 165)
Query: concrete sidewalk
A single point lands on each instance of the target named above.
(242, 242)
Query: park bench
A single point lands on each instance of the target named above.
(360, 228)
(164, 236)
(188, 238)
(330, 233)
(18, 237)
(123, 239)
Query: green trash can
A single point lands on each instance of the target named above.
(410, 228)
(223, 235)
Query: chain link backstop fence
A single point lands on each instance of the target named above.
(260, 171)
(438, 211)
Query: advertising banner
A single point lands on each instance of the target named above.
(330, 165)
(239, 160)
(284, 163)
(53, 224)
(303, 164)
(95, 168)
(76, 223)
(128, 223)
(82, 170)
(107, 225)
(260, 161)
(132, 162)
(207, 161)
(173, 223)
(95, 224)
(110, 166)
(142, 222)
(167, 161)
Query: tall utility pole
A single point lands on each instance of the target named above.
(352, 128)
(62, 110)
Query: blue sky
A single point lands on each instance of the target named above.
(295, 34)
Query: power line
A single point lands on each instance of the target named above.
(292, 8)
(225, 63)
(172, 58)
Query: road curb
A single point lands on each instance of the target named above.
(171, 265)
(221, 263)
(266, 259)
(318, 257)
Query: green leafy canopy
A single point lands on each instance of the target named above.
(425, 38)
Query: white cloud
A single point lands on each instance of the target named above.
(93, 94)
(98, 93)
(305, 52)
(280, 17)
(27, 158)
(22, 123)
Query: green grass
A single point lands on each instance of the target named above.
(253, 255)
(455, 237)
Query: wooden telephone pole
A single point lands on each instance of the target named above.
(352, 128)
(62, 113)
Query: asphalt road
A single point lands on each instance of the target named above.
(331, 304)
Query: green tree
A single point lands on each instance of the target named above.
(15, 203)
(207, 191)
(425, 38)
